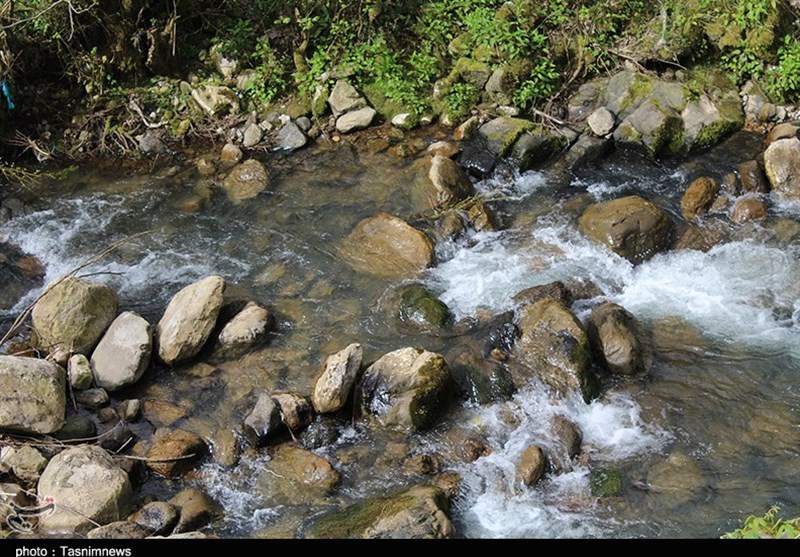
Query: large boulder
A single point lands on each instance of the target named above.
(72, 315)
(246, 181)
(33, 395)
(554, 346)
(189, 319)
(406, 389)
(123, 354)
(630, 226)
(86, 488)
(782, 165)
(387, 246)
(653, 127)
(614, 339)
(421, 512)
(336, 381)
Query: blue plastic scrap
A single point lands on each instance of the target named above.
(6, 90)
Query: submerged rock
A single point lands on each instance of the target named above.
(299, 476)
(406, 389)
(189, 319)
(337, 378)
(71, 316)
(86, 487)
(422, 311)
(630, 226)
(33, 395)
(123, 354)
(387, 246)
(678, 479)
(174, 451)
(421, 512)
(246, 181)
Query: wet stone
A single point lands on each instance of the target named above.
(92, 398)
(157, 517)
(77, 428)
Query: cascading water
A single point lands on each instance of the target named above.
(709, 435)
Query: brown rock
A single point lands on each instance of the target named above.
(197, 509)
(174, 451)
(748, 208)
(753, 178)
(781, 131)
(698, 197)
(296, 411)
(630, 226)
(614, 338)
(387, 246)
(246, 181)
(531, 465)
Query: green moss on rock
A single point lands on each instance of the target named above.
(606, 482)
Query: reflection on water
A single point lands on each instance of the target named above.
(710, 435)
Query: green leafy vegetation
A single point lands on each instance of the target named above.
(770, 526)
(423, 57)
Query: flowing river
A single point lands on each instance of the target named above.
(710, 435)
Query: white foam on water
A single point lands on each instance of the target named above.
(77, 229)
(559, 506)
(521, 186)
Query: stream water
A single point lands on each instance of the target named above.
(709, 436)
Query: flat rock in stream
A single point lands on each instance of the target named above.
(123, 354)
(71, 316)
(33, 395)
(189, 319)
(630, 226)
(387, 246)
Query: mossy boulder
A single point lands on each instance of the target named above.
(420, 310)
(535, 146)
(553, 345)
(501, 133)
(406, 389)
(481, 380)
(421, 512)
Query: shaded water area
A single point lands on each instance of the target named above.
(708, 436)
